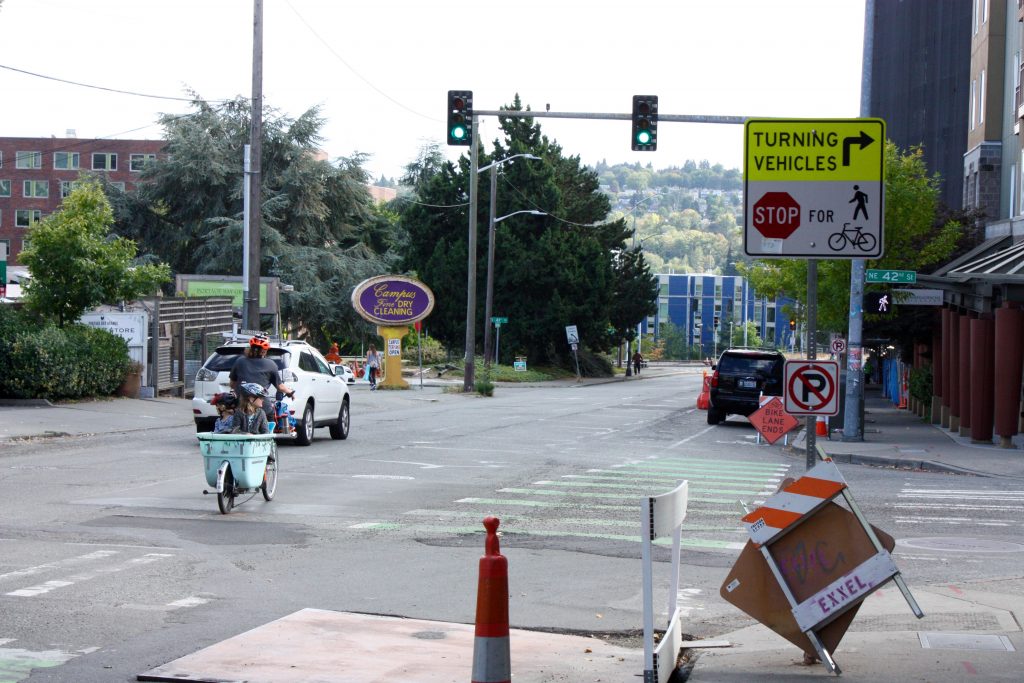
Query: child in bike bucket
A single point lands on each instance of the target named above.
(250, 417)
(226, 404)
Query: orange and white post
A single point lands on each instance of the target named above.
(491, 650)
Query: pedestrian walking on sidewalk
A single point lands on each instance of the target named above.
(372, 366)
(638, 360)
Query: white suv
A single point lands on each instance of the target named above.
(321, 399)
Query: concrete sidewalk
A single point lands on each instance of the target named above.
(898, 438)
(41, 419)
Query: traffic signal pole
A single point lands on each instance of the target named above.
(469, 374)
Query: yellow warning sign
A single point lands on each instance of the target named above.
(814, 150)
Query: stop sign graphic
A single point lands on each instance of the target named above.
(776, 215)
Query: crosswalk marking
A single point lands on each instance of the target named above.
(48, 586)
(59, 564)
(956, 507)
(603, 503)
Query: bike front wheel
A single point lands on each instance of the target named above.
(270, 479)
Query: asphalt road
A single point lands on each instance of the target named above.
(112, 561)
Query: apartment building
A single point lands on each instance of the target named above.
(710, 307)
(37, 173)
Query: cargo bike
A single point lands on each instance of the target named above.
(239, 464)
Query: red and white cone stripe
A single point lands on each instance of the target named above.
(492, 661)
(785, 508)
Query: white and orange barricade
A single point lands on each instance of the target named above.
(838, 592)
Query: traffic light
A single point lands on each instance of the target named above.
(460, 117)
(716, 322)
(645, 123)
(792, 323)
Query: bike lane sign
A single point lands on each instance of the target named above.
(811, 387)
(814, 188)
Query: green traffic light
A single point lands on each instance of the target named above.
(458, 133)
(643, 137)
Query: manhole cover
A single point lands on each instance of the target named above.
(965, 641)
(429, 635)
(956, 544)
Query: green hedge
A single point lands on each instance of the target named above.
(41, 360)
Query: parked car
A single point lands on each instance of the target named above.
(740, 377)
(343, 371)
(321, 399)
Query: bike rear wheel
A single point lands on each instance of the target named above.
(836, 241)
(866, 242)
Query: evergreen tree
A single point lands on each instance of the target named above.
(321, 233)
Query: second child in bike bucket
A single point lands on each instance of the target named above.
(250, 417)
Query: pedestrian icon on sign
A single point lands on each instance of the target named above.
(862, 199)
(883, 303)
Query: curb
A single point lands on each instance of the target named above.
(903, 464)
(25, 402)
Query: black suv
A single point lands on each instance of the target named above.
(741, 376)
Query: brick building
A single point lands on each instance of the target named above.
(37, 173)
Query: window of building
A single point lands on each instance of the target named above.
(1, 159)
(770, 315)
(118, 186)
(39, 189)
(981, 99)
(5, 188)
(24, 218)
(5, 248)
(104, 161)
(66, 161)
(974, 88)
(663, 289)
(66, 187)
(137, 162)
(663, 312)
(28, 159)
(698, 289)
(718, 290)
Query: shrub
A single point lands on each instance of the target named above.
(46, 361)
(921, 383)
(592, 364)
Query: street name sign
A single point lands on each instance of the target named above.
(814, 188)
(908, 277)
(811, 387)
(918, 297)
(499, 320)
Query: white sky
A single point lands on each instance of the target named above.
(381, 69)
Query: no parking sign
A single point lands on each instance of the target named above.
(812, 387)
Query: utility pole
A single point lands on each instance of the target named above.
(251, 305)
(853, 430)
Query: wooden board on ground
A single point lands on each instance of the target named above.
(822, 548)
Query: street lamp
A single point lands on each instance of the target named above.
(490, 245)
(491, 239)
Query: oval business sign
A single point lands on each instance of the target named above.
(392, 300)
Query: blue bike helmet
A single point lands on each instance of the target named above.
(253, 389)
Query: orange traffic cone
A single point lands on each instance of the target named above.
(491, 658)
(704, 398)
(821, 426)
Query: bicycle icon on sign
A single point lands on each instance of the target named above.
(854, 237)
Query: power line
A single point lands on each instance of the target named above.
(354, 72)
(100, 87)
